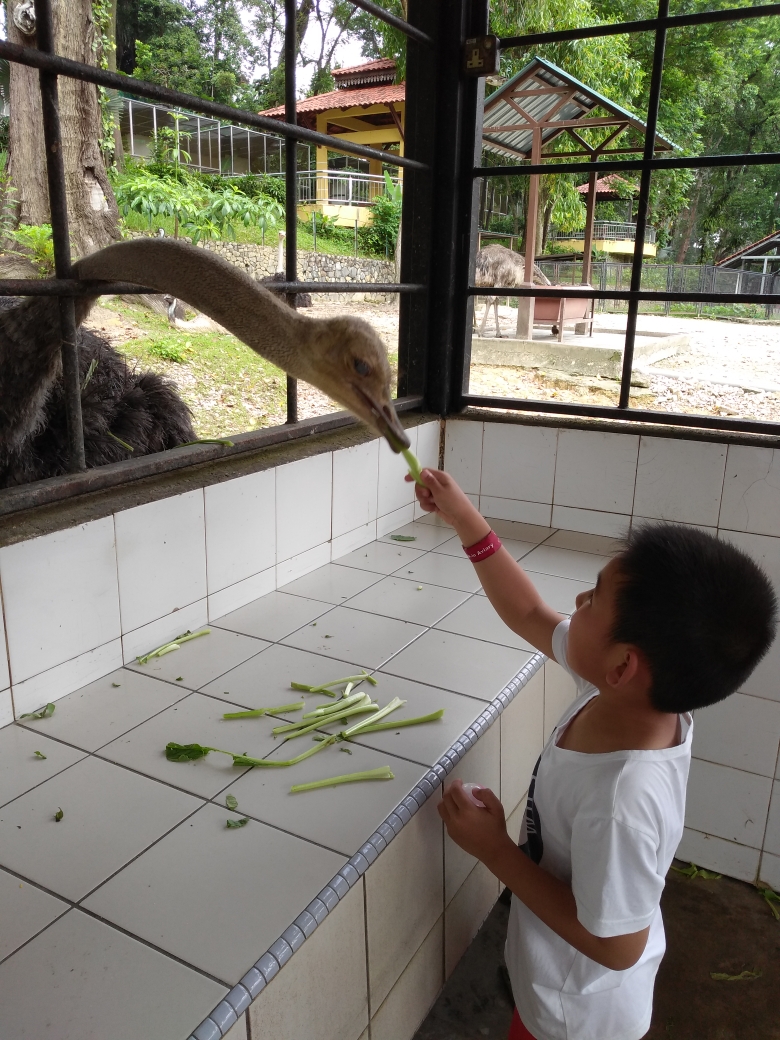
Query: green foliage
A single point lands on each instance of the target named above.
(170, 349)
(381, 234)
(36, 241)
(199, 210)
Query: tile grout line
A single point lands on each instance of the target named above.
(7, 651)
(227, 1012)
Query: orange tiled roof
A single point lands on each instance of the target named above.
(363, 96)
(368, 66)
(605, 184)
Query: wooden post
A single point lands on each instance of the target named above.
(525, 304)
(590, 214)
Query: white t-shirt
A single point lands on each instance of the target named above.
(609, 826)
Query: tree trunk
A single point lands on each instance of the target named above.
(690, 221)
(92, 209)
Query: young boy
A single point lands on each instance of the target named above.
(676, 621)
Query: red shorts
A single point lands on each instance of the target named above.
(517, 1030)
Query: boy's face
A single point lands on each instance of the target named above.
(590, 646)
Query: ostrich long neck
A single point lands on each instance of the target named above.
(217, 288)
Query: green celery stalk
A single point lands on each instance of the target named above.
(394, 704)
(377, 727)
(340, 705)
(299, 730)
(174, 644)
(257, 712)
(327, 687)
(382, 773)
(270, 763)
(414, 465)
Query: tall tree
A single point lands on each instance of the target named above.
(91, 205)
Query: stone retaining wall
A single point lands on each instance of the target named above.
(260, 261)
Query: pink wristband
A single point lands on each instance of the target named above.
(479, 551)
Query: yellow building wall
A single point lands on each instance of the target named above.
(619, 247)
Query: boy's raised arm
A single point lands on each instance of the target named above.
(508, 588)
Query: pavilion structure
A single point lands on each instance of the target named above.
(535, 113)
(367, 107)
(762, 256)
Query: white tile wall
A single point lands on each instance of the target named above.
(161, 558)
(518, 462)
(463, 454)
(769, 872)
(596, 471)
(355, 481)
(6, 701)
(303, 505)
(740, 731)
(240, 529)
(411, 998)
(726, 857)
(680, 480)
(61, 598)
(590, 521)
(751, 490)
(728, 803)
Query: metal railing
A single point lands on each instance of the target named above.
(340, 187)
(608, 230)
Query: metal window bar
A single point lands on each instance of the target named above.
(50, 66)
(646, 165)
(291, 182)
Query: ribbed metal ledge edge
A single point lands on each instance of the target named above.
(227, 1012)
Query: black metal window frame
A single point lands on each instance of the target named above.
(660, 26)
(66, 287)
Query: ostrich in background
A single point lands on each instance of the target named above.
(302, 299)
(124, 410)
(500, 267)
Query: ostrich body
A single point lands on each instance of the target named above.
(501, 267)
(302, 299)
(342, 356)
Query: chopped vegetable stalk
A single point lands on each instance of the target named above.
(722, 976)
(207, 440)
(174, 644)
(192, 752)
(233, 824)
(414, 465)
(125, 445)
(328, 686)
(256, 713)
(383, 773)
(394, 704)
(59, 815)
(231, 801)
(404, 537)
(340, 705)
(42, 713)
(297, 730)
(373, 727)
(772, 901)
(39, 754)
(348, 689)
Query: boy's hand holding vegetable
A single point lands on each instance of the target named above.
(440, 494)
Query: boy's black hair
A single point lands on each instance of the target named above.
(701, 611)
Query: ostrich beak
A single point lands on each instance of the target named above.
(385, 421)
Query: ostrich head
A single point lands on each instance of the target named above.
(343, 357)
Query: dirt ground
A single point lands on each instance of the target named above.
(730, 368)
(712, 927)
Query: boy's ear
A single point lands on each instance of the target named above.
(630, 667)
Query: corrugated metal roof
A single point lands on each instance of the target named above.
(501, 111)
(766, 243)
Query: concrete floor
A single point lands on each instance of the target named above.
(711, 926)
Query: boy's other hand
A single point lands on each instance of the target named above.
(479, 831)
(442, 495)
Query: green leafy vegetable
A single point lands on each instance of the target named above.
(116, 684)
(693, 872)
(192, 752)
(414, 465)
(187, 752)
(382, 773)
(39, 754)
(256, 713)
(376, 727)
(772, 898)
(233, 824)
(42, 713)
(298, 729)
(721, 976)
(58, 815)
(404, 537)
(174, 644)
(231, 801)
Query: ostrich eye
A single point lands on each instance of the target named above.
(362, 367)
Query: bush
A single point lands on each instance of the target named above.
(36, 241)
(381, 234)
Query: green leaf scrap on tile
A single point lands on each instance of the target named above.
(772, 899)
(231, 801)
(744, 976)
(234, 824)
(404, 537)
(693, 872)
(39, 754)
(58, 815)
(42, 713)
